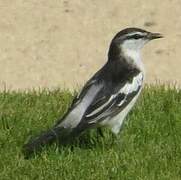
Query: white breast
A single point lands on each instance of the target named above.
(115, 122)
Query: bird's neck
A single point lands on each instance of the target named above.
(130, 55)
(133, 57)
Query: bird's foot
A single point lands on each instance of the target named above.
(100, 132)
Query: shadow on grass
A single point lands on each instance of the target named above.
(89, 140)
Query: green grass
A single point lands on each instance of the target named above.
(148, 147)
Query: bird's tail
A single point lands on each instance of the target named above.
(45, 138)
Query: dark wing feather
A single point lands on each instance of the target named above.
(107, 104)
(83, 100)
(116, 105)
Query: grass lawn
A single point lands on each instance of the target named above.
(148, 147)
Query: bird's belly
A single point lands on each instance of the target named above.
(116, 122)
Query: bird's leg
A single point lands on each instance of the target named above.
(114, 139)
(100, 132)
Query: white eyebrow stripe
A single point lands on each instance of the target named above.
(134, 33)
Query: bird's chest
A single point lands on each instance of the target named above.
(131, 92)
(116, 122)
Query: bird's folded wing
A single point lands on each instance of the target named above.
(105, 105)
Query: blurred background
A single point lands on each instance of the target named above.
(62, 43)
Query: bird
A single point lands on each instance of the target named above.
(108, 96)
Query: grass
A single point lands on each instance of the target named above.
(149, 147)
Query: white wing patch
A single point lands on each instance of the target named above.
(126, 90)
(120, 104)
(131, 87)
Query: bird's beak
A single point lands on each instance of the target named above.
(154, 36)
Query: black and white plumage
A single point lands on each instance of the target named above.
(108, 96)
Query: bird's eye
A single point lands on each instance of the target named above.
(137, 36)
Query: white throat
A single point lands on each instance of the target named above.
(132, 51)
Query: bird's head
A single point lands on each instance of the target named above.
(131, 39)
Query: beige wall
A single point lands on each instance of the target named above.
(62, 43)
